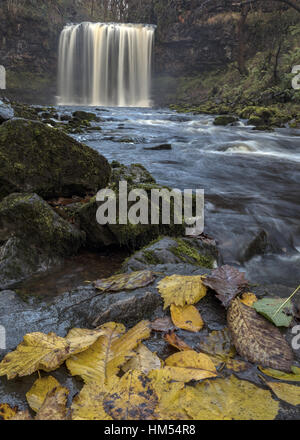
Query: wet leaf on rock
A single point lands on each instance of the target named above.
(181, 290)
(162, 324)
(256, 339)
(54, 406)
(286, 392)
(227, 282)
(187, 318)
(249, 299)
(190, 365)
(127, 281)
(268, 306)
(143, 360)
(40, 389)
(172, 339)
(88, 404)
(7, 412)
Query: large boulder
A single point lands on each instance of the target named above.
(6, 112)
(33, 238)
(38, 158)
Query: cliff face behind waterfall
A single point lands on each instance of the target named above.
(199, 44)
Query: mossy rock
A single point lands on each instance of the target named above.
(37, 158)
(86, 116)
(225, 120)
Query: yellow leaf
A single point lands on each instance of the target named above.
(249, 299)
(190, 365)
(229, 399)
(7, 412)
(276, 374)
(88, 404)
(126, 281)
(37, 352)
(186, 318)
(106, 356)
(286, 392)
(54, 406)
(81, 339)
(181, 290)
(143, 360)
(131, 398)
(38, 393)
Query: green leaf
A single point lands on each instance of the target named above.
(268, 306)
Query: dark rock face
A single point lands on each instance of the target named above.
(160, 147)
(54, 163)
(6, 112)
(34, 238)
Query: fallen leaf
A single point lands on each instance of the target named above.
(229, 399)
(276, 374)
(256, 339)
(181, 290)
(227, 282)
(126, 281)
(131, 398)
(88, 404)
(286, 392)
(249, 299)
(22, 415)
(54, 406)
(219, 346)
(7, 412)
(162, 324)
(37, 352)
(81, 339)
(176, 342)
(268, 306)
(187, 318)
(190, 365)
(40, 389)
(106, 356)
(143, 360)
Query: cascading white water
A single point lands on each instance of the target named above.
(105, 64)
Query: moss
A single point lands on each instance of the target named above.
(188, 254)
(224, 120)
(150, 257)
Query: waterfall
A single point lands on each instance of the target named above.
(105, 64)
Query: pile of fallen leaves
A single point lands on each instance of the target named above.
(124, 380)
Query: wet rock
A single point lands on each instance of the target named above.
(134, 174)
(160, 147)
(225, 120)
(6, 112)
(173, 251)
(258, 246)
(36, 238)
(86, 116)
(54, 163)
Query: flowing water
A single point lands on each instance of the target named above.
(105, 64)
(251, 179)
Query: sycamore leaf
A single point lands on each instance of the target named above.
(162, 324)
(106, 356)
(37, 352)
(187, 318)
(126, 281)
(219, 347)
(229, 399)
(143, 360)
(227, 282)
(256, 339)
(181, 290)
(276, 374)
(190, 365)
(88, 404)
(40, 389)
(7, 412)
(131, 398)
(54, 406)
(249, 299)
(176, 342)
(268, 306)
(286, 392)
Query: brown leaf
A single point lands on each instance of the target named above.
(176, 342)
(256, 339)
(227, 282)
(162, 324)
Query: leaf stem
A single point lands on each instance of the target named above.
(285, 303)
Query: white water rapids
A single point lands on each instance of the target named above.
(105, 64)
